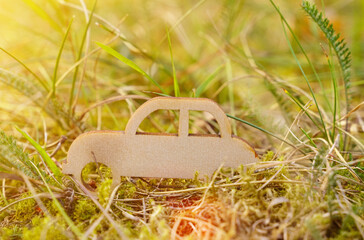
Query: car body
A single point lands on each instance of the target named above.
(130, 153)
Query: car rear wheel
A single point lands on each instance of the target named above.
(93, 175)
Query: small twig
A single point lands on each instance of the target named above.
(266, 183)
(59, 144)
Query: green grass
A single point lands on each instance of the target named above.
(175, 81)
(54, 78)
(278, 69)
(79, 56)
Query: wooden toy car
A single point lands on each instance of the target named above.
(137, 154)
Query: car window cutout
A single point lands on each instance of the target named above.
(202, 123)
(160, 122)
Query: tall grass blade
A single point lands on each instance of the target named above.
(130, 45)
(52, 166)
(229, 78)
(340, 47)
(54, 79)
(183, 17)
(79, 55)
(261, 129)
(202, 88)
(175, 82)
(303, 109)
(282, 102)
(284, 22)
(308, 137)
(307, 81)
(341, 50)
(303, 52)
(44, 84)
(130, 63)
(336, 96)
(43, 14)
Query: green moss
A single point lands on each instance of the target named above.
(349, 228)
(84, 210)
(157, 228)
(267, 157)
(3, 214)
(45, 228)
(126, 189)
(313, 230)
(95, 174)
(110, 234)
(104, 191)
(344, 235)
(51, 207)
(10, 233)
(25, 210)
(350, 185)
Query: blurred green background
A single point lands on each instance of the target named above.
(238, 43)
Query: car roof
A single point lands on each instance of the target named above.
(182, 104)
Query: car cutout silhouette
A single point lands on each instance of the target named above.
(165, 155)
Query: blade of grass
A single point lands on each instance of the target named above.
(75, 73)
(54, 79)
(131, 46)
(308, 136)
(175, 82)
(285, 23)
(340, 48)
(109, 27)
(130, 63)
(303, 109)
(305, 77)
(112, 115)
(261, 129)
(61, 210)
(158, 94)
(43, 14)
(76, 64)
(207, 81)
(331, 55)
(52, 166)
(87, 46)
(229, 78)
(336, 95)
(183, 17)
(44, 84)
